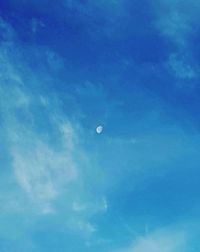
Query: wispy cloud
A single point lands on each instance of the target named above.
(160, 240)
(177, 20)
(43, 145)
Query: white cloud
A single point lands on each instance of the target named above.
(41, 168)
(161, 240)
(176, 19)
(184, 71)
(100, 205)
(42, 171)
(47, 164)
(181, 70)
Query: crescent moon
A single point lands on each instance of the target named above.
(99, 129)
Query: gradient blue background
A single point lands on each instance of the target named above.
(67, 66)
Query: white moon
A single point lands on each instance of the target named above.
(99, 129)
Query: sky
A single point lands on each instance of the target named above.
(130, 66)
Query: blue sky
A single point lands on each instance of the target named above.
(71, 65)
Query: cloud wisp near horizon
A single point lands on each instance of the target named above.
(70, 66)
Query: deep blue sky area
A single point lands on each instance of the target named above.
(131, 67)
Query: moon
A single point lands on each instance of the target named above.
(99, 129)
